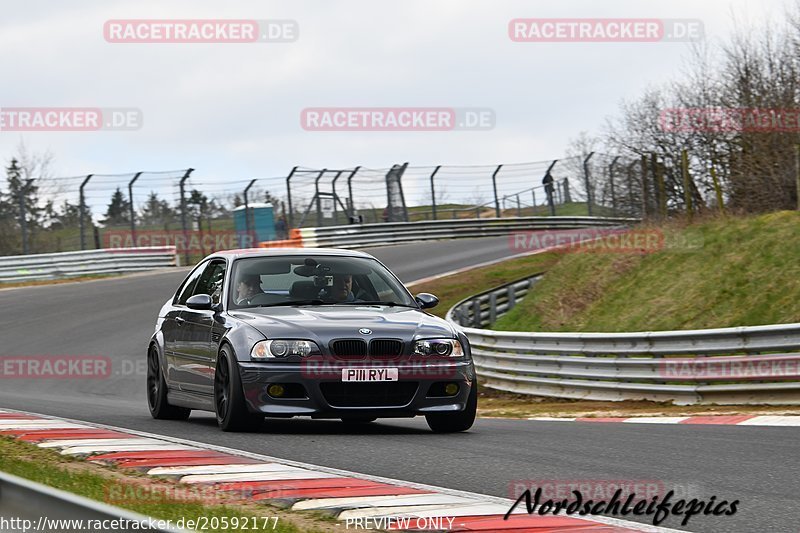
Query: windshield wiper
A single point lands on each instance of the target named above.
(377, 302)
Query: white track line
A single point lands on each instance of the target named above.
(219, 469)
(380, 501)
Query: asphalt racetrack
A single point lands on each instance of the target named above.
(115, 317)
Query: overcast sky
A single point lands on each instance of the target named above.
(232, 111)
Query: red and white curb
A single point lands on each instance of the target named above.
(299, 486)
(730, 420)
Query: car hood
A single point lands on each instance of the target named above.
(324, 323)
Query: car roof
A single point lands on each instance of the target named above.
(284, 252)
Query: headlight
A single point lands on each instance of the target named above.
(280, 348)
(439, 347)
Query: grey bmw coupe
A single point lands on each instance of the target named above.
(315, 332)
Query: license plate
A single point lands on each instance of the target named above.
(369, 374)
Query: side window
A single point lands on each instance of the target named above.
(210, 281)
(188, 286)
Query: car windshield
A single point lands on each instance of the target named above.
(314, 280)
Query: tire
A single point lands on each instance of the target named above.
(455, 422)
(357, 421)
(229, 403)
(160, 409)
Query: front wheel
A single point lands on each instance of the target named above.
(160, 409)
(455, 422)
(229, 403)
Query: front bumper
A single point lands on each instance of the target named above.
(418, 391)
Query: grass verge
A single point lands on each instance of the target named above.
(722, 272)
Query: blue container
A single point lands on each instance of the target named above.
(262, 222)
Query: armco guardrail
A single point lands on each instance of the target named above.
(37, 507)
(17, 268)
(357, 235)
(755, 365)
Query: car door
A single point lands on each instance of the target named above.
(172, 326)
(198, 356)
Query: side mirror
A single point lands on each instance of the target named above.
(199, 302)
(426, 301)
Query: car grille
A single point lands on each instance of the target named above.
(349, 347)
(358, 347)
(391, 394)
(385, 347)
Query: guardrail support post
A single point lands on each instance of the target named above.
(511, 296)
(492, 307)
(185, 231)
(247, 225)
(494, 185)
(587, 181)
(476, 313)
(82, 211)
(130, 205)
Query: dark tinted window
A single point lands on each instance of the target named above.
(188, 285)
(210, 281)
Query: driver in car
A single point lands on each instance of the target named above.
(249, 285)
(342, 288)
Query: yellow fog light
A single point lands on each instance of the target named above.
(276, 391)
(451, 389)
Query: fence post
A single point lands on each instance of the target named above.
(247, 225)
(290, 220)
(132, 212)
(433, 190)
(587, 182)
(23, 216)
(494, 185)
(317, 197)
(82, 211)
(687, 194)
(519, 209)
(350, 190)
(183, 214)
(335, 197)
(611, 182)
(567, 195)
